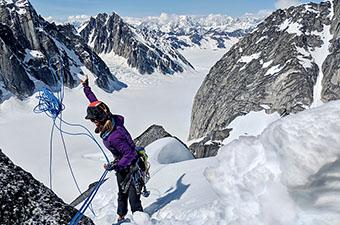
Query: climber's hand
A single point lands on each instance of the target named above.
(111, 166)
(85, 82)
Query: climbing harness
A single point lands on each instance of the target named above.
(138, 175)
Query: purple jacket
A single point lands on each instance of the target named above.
(119, 141)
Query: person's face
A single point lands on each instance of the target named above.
(97, 122)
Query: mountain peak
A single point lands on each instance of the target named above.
(19, 5)
(110, 34)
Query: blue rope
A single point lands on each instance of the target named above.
(67, 157)
(88, 134)
(51, 155)
(75, 220)
(53, 106)
(48, 104)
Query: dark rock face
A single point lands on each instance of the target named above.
(152, 134)
(20, 85)
(203, 150)
(109, 33)
(209, 146)
(271, 69)
(30, 48)
(25, 201)
(331, 66)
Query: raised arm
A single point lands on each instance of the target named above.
(87, 90)
(89, 94)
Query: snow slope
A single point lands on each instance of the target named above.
(175, 185)
(288, 175)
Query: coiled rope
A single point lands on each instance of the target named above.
(52, 105)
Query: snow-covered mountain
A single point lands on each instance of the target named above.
(30, 48)
(110, 34)
(279, 68)
(182, 31)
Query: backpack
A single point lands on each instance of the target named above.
(142, 175)
(142, 160)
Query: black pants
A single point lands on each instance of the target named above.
(134, 198)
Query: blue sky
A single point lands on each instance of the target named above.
(138, 8)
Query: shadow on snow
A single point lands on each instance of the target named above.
(163, 201)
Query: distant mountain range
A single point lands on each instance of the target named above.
(192, 31)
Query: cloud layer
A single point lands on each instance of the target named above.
(282, 4)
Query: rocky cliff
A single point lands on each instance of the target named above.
(24, 200)
(110, 34)
(331, 66)
(276, 68)
(30, 48)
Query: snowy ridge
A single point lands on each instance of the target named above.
(283, 176)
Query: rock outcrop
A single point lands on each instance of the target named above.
(26, 201)
(152, 134)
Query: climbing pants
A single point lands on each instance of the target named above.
(131, 195)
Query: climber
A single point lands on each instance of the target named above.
(119, 142)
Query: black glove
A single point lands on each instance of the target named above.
(111, 166)
(85, 82)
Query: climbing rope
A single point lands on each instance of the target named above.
(75, 220)
(52, 105)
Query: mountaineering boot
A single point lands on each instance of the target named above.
(121, 220)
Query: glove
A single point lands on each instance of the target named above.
(85, 82)
(111, 166)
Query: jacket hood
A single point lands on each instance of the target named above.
(119, 120)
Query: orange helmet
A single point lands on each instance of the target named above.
(97, 110)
